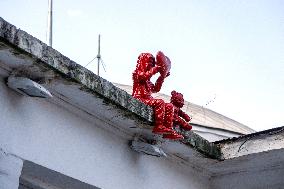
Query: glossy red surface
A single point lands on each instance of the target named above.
(180, 118)
(143, 88)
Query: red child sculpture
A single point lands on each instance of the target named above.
(143, 88)
(180, 118)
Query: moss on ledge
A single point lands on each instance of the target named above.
(46, 56)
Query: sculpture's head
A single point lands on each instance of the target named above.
(177, 99)
(145, 62)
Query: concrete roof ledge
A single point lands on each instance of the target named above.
(263, 141)
(78, 89)
(26, 55)
(71, 70)
(200, 144)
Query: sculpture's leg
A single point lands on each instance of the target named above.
(159, 114)
(168, 122)
(169, 115)
(158, 106)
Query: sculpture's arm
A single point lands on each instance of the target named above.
(158, 85)
(144, 76)
(184, 115)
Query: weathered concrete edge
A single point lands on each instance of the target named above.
(71, 70)
(91, 82)
(264, 133)
(259, 142)
(202, 145)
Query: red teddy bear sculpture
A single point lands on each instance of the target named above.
(180, 118)
(143, 88)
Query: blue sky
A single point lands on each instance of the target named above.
(230, 53)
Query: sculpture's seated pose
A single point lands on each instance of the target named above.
(143, 88)
(180, 118)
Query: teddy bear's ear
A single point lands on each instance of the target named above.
(173, 92)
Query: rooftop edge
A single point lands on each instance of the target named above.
(42, 54)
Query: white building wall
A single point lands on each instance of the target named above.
(10, 170)
(265, 179)
(42, 132)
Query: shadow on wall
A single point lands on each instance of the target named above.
(35, 176)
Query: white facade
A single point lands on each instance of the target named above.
(80, 137)
(63, 140)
